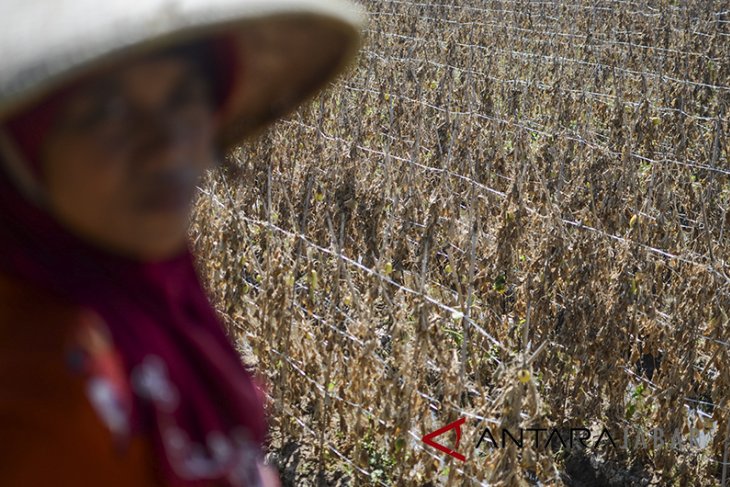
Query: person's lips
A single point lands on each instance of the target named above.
(170, 191)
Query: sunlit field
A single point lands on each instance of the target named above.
(513, 212)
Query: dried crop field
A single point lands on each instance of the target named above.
(515, 212)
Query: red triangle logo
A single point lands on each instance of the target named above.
(428, 439)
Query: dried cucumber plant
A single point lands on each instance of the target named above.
(510, 211)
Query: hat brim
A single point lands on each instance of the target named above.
(286, 50)
(279, 71)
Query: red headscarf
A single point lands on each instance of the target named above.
(194, 399)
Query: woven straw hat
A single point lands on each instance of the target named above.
(285, 49)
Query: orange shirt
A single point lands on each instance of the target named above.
(50, 433)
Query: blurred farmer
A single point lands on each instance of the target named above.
(114, 368)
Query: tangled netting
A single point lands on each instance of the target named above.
(512, 212)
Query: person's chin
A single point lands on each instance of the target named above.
(164, 235)
(162, 249)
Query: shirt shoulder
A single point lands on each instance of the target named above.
(29, 314)
(35, 329)
(65, 398)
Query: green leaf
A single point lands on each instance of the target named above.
(500, 284)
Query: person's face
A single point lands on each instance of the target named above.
(121, 164)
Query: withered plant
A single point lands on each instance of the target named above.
(509, 210)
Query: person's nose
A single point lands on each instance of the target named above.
(161, 138)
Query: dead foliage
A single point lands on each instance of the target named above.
(498, 190)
